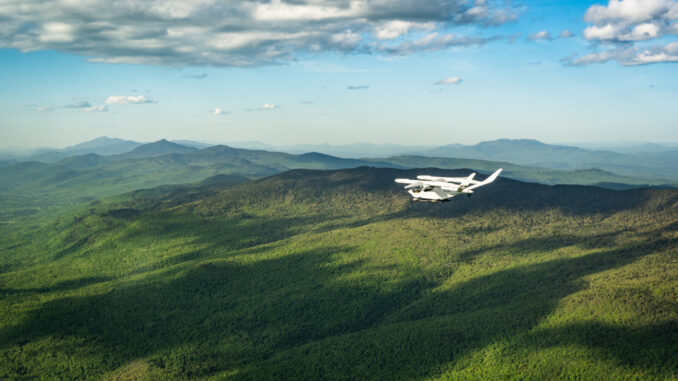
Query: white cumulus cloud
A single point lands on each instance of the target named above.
(630, 20)
(99, 108)
(237, 33)
(566, 34)
(430, 43)
(397, 28)
(219, 111)
(128, 99)
(630, 56)
(81, 104)
(541, 35)
(37, 108)
(449, 81)
(623, 25)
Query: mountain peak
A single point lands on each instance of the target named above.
(160, 147)
(103, 141)
(505, 141)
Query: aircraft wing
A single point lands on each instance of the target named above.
(417, 183)
(488, 180)
(458, 180)
(410, 183)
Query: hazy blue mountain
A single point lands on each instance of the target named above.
(159, 148)
(527, 152)
(7, 161)
(627, 147)
(538, 154)
(280, 161)
(352, 151)
(256, 145)
(103, 146)
(192, 143)
(533, 174)
(359, 150)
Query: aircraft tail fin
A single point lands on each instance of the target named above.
(493, 176)
(488, 180)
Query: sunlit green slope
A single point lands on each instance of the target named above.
(337, 275)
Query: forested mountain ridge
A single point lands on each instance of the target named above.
(30, 187)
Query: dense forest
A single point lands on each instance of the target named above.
(313, 274)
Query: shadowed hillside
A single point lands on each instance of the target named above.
(338, 275)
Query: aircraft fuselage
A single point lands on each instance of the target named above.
(435, 195)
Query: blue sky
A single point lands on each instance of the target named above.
(338, 71)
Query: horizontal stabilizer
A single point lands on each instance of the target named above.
(467, 181)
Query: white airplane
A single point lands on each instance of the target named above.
(438, 189)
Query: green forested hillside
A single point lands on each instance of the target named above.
(337, 275)
(32, 188)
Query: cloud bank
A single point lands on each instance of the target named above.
(622, 27)
(239, 33)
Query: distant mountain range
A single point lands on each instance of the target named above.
(351, 151)
(28, 187)
(32, 187)
(649, 162)
(105, 170)
(103, 146)
(534, 153)
(651, 148)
